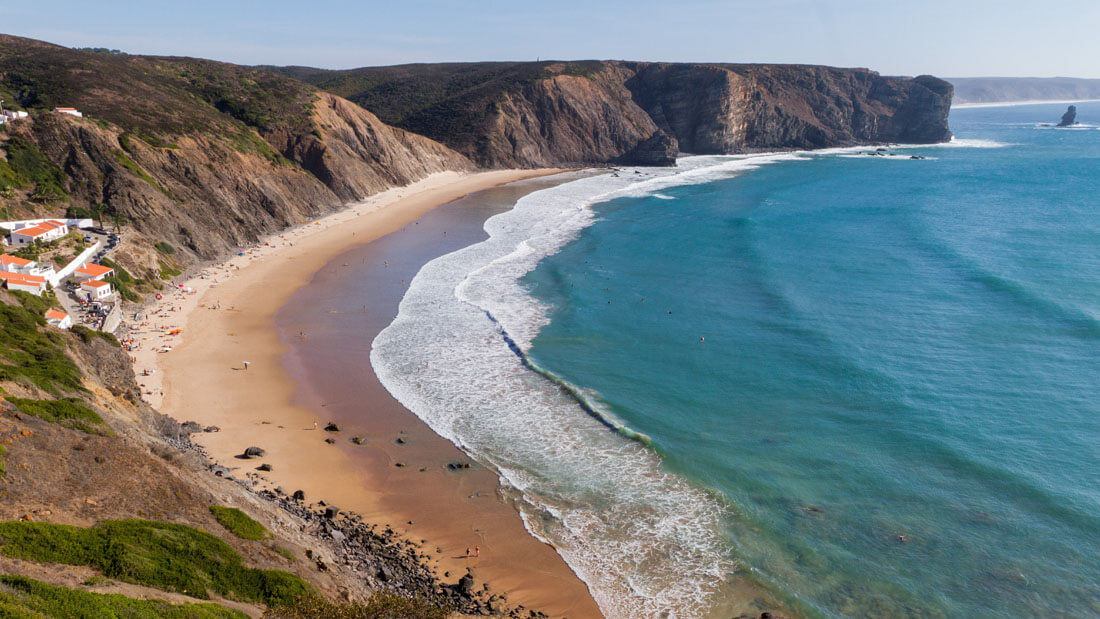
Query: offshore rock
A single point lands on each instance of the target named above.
(1070, 117)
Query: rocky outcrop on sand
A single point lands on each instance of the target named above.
(1070, 117)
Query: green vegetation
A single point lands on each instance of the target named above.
(69, 412)
(286, 552)
(139, 172)
(37, 305)
(30, 165)
(170, 557)
(3, 452)
(238, 523)
(381, 605)
(34, 355)
(87, 335)
(164, 248)
(122, 281)
(168, 271)
(24, 597)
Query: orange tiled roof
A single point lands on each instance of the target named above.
(95, 270)
(22, 278)
(16, 260)
(33, 231)
(56, 315)
(95, 284)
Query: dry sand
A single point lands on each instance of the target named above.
(227, 317)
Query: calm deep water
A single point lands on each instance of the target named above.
(886, 370)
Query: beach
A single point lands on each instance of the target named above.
(227, 316)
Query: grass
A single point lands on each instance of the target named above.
(168, 271)
(238, 523)
(131, 165)
(88, 335)
(24, 597)
(381, 605)
(70, 412)
(35, 355)
(3, 452)
(283, 550)
(122, 281)
(170, 557)
(164, 248)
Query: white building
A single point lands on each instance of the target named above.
(96, 290)
(93, 271)
(71, 111)
(15, 264)
(7, 115)
(27, 283)
(45, 231)
(58, 319)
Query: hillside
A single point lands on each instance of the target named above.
(534, 114)
(201, 155)
(1005, 89)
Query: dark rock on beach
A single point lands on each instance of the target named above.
(253, 452)
(332, 427)
(264, 467)
(1070, 117)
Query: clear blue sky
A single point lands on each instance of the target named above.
(953, 38)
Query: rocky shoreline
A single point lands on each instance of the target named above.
(381, 557)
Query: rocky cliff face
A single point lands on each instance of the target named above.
(207, 198)
(535, 114)
(717, 109)
(200, 155)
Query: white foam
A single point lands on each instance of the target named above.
(967, 143)
(646, 542)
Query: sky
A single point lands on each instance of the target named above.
(951, 38)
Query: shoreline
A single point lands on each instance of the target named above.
(227, 313)
(1024, 102)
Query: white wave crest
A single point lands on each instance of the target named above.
(646, 542)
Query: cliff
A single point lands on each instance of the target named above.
(201, 155)
(536, 114)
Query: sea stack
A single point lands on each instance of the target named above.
(1070, 117)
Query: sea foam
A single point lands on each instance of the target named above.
(646, 542)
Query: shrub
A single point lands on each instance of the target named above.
(24, 597)
(87, 335)
(69, 412)
(170, 557)
(3, 452)
(31, 164)
(164, 248)
(38, 356)
(239, 523)
(381, 605)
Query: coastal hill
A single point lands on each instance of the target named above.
(1006, 89)
(203, 156)
(547, 113)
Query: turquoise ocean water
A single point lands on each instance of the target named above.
(846, 349)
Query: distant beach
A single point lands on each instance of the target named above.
(1014, 103)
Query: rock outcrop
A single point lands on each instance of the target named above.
(1070, 117)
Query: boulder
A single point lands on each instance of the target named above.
(465, 585)
(332, 427)
(358, 440)
(264, 467)
(1070, 117)
(330, 441)
(253, 452)
(331, 511)
(211, 429)
(659, 149)
(298, 495)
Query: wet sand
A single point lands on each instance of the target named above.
(231, 317)
(329, 325)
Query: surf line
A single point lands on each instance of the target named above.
(571, 390)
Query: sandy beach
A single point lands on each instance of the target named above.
(226, 316)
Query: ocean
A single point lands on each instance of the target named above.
(842, 383)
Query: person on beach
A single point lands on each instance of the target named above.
(477, 551)
(246, 364)
(467, 552)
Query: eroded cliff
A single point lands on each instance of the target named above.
(535, 114)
